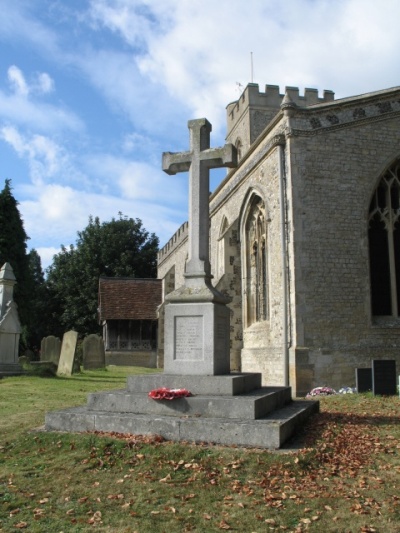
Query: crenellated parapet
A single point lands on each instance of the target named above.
(249, 115)
(176, 240)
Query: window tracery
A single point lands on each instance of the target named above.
(256, 284)
(384, 244)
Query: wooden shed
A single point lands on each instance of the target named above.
(128, 314)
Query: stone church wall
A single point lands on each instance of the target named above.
(333, 175)
(260, 345)
(334, 155)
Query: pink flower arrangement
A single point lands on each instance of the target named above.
(321, 391)
(168, 394)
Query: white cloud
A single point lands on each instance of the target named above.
(45, 84)
(55, 213)
(138, 181)
(198, 50)
(42, 82)
(46, 159)
(47, 254)
(17, 81)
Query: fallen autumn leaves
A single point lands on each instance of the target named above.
(346, 478)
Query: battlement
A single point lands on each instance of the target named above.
(179, 236)
(272, 99)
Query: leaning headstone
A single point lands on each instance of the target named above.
(50, 349)
(384, 377)
(67, 356)
(93, 352)
(364, 379)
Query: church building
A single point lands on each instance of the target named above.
(303, 236)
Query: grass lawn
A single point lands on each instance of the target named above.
(346, 478)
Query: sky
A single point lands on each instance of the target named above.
(93, 91)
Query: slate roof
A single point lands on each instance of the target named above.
(129, 298)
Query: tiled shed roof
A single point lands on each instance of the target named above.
(129, 298)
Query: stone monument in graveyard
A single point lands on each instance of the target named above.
(67, 356)
(226, 408)
(50, 349)
(93, 352)
(196, 316)
(10, 327)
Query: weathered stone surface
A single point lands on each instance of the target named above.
(196, 317)
(250, 406)
(93, 352)
(270, 431)
(230, 385)
(50, 349)
(10, 327)
(67, 357)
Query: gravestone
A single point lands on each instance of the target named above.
(364, 379)
(196, 315)
(384, 377)
(10, 327)
(93, 352)
(67, 356)
(50, 349)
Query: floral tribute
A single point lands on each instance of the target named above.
(168, 394)
(321, 391)
(347, 390)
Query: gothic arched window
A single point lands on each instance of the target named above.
(384, 244)
(255, 258)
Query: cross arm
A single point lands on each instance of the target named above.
(172, 162)
(220, 157)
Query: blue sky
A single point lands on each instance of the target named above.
(93, 91)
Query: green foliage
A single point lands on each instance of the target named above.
(28, 292)
(120, 248)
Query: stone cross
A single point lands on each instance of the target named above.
(198, 161)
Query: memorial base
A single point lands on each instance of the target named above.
(233, 409)
(197, 338)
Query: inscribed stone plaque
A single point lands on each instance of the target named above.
(364, 379)
(189, 338)
(384, 376)
(93, 352)
(68, 348)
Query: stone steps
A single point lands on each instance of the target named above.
(228, 384)
(251, 405)
(232, 409)
(271, 431)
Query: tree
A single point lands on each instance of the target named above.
(13, 249)
(120, 248)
